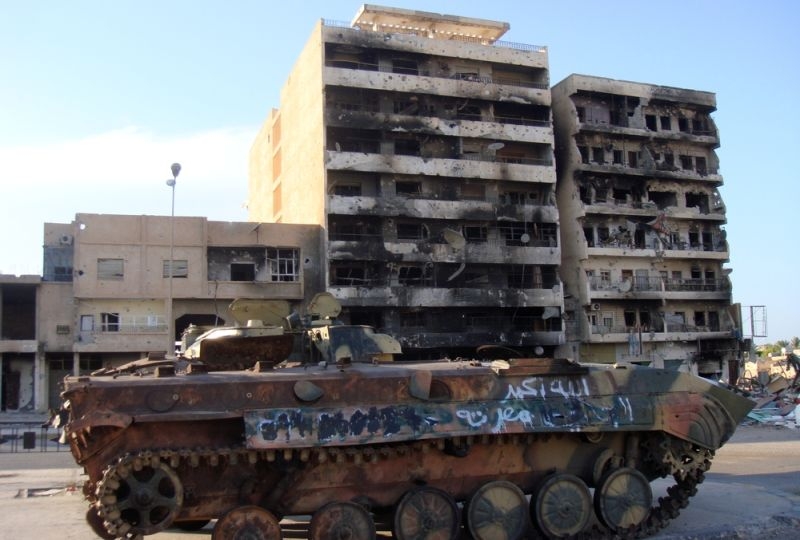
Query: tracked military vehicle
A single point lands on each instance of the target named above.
(487, 449)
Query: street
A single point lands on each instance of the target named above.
(752, 490)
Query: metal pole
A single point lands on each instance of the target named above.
(170, 350)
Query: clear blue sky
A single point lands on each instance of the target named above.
(98, 98)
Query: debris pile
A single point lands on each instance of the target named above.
(775, 385)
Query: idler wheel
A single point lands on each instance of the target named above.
(96, 523)
(426, 513)
(247, 523)
(562, 506)
(341, 521)
(498, 511)
(623, 499)
(149, 499)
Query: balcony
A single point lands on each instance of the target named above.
(434, 297)
(653, 288)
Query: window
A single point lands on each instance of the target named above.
(408, 188)
(617, 157)
(683, 124)
(62, 273)
(650, 122)
(347, 190)
(410, 275)
(687, 163)
(581, 114)
(473, 192)
(666, 123)
(584, 151)
(243, 272)
(180, 268)
(598, 155)
(702, 168)
(348, 275)
(475, 233)
(62, 329)
(283, 264)
(109, 322)
(110, 269)
(633, 159)
(520, 277)
(410, 231)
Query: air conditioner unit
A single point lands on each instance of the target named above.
(595, 307)
(65, 240)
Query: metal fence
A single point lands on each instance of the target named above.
(18, 437)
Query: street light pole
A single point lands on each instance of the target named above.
(170, 352)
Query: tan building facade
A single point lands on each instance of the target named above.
(424, 148)
(643, 243)
(103, 297)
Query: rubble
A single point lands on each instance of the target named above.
(775, 385)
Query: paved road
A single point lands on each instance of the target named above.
(752, 490)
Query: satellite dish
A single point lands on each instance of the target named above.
(324, 305)
(525, 238)
(495, 146)
(454, 238)
(625, 286)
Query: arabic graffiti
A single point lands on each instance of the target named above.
(531, 404)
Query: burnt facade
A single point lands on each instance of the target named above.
(428, 159)
(643, 234)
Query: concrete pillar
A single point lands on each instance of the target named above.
(76, 363)
(40, 396)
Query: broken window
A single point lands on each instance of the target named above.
(349, 228)
(630, 318)
(700, 164)
(617, 157)
(243, 272)
(411, 276)
(699, 126)
(407, 66)
(347, 190)
(666, 123)
(584, 151)
(686, 163)
(476, 233)
(408, 188)
(469, 112)
(633, 159)
(585, 195)
(699, 200)
(110, 269)
(602, 235)
(180, 268)
(600, 195)
(663, 199)
(109, 322)
(650, 122)
(283, 264)
(683, 124)
(349, 275)
(516, 234)
(588, 233)
(598, 155)
(669, 159)
(713, 321)
(520, 276)
(411, 231)
(621, 195)
(581, 114)
(406, 147)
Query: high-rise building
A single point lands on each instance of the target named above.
(423, 146)
(643, 243)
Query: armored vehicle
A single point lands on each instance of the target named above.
(488, 449)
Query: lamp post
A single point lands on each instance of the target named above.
(170, 352)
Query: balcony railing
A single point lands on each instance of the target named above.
(484, 79)
(657, 283)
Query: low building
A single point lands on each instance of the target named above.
(103, 297)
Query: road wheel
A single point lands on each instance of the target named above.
(561, 506)
(341, 521)
(247, 523)
(623, 499)
(498, 511)
(426, 513)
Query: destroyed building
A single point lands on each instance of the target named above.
(643, 239)
(423, 146)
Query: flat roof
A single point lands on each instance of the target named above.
(435, 25)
